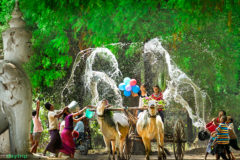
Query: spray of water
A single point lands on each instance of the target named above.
(70, 85)
(93, 78)
(176, 80)
(101, 83)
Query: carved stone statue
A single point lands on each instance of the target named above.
(15, 87)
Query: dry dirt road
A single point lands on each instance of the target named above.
(97, 156)
(154, 157)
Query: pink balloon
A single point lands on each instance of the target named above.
(133, 82)
(128, 88)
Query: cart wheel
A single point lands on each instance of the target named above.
(179, 140)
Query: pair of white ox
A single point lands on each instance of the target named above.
(115, 129)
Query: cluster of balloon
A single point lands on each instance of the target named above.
(129, 85)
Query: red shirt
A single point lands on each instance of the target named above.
(158, 98)
(211, 126)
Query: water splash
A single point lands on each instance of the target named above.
(99, 79)
(106, 78)
(70, 85)
(101, 74)
(178, 82)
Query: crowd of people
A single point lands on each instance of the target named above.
(222, 137)
(62, 135)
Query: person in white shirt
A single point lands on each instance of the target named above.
(142, 94)
(55, 143)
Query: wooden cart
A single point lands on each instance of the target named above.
(177, 137)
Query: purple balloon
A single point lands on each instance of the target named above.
(128, 87)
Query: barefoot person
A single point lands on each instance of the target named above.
(37, 130)
(232, 135)
(212, 130)
(55, 143)
(31, 133)
(222, 146)
(68, 145)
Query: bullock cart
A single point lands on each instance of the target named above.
(176, 136)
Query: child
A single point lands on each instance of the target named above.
(37, 129)
(79, 127)
(232, 135)
(220, 114)
(212, 130)
(222, 141)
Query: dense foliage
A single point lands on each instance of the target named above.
(201, 35)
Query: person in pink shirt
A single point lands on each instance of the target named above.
(37, 129)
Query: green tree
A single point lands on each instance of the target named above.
(202, 36)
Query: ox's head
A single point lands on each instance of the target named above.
(152, 108)
(101, 107)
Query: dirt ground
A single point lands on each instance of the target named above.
(152, 157)
(187, 156)
(195, 154)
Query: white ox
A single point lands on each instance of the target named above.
(114, 127)
(149, 127)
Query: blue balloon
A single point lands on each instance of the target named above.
(127, 93)
(135, 89)
(127, 80)
(121, 86)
